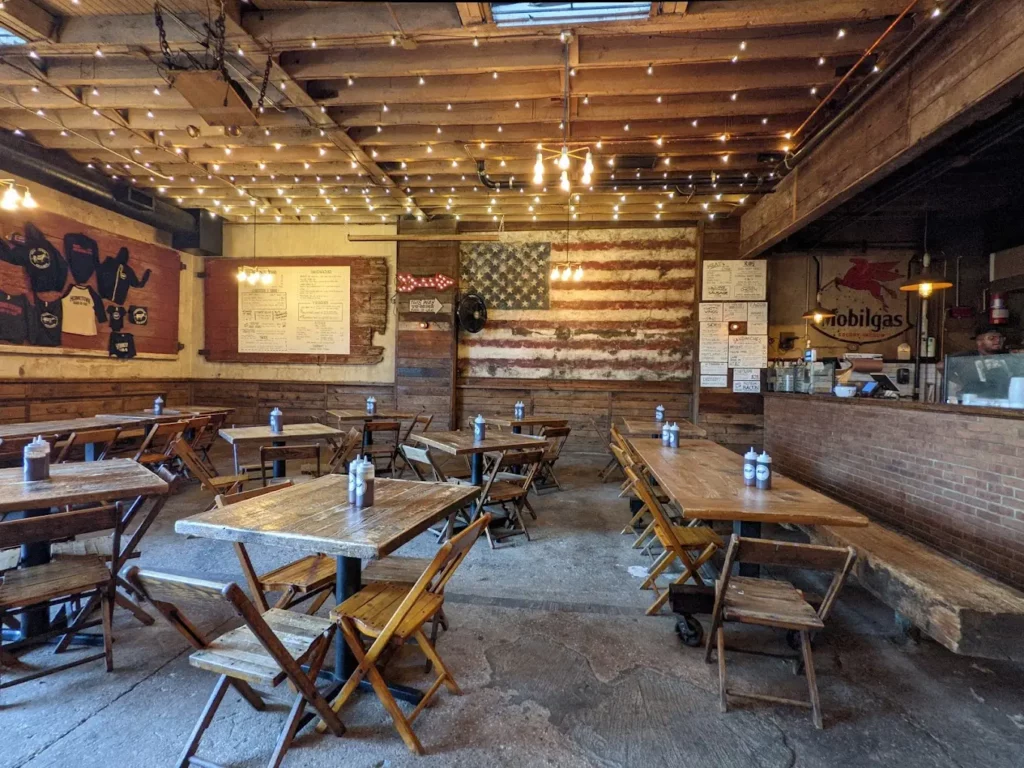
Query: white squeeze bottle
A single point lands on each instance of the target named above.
(750, 468)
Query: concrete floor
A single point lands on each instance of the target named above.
(558, 666)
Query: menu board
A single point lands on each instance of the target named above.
(748, 351)
(304, 310)
(714, 342)
(735, 280)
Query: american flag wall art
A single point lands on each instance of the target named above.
(628, 318)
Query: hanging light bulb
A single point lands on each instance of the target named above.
(10, 200)
(253, 278)
(567, 273)
(266, 278)
(241, 275)
(538, 170)
(588, 165)
(586, 179)
(28, 201)
(554, 273)
(563, 183)
(563, 159)
(578, 274)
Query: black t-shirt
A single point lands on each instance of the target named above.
(46, 268)
(117, 316)
(45, 328)
(14, 313)
(122, 345)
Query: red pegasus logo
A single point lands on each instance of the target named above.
(869, 276)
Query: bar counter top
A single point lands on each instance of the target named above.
(906, 404)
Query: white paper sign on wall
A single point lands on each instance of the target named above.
(747, 387)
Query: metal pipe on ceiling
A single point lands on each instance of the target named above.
(54, 170)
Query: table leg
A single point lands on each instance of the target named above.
(34, 621)
(234, 452)
(517, 430)
(476, 469)
(348, 581)
(280, 465)
(92, 451)
(748, 530)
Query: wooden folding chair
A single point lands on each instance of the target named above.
(343, 453)
(390, 615)
(270, 648)
(421, 418)
(678, 541)
(387, 451)
(509, 491)
(202, 442)
(105, 439)
(156, 446)
(546, 478)
(771, 603)
(272, 453)
(308, 578)
(61, 582)
(181, 450)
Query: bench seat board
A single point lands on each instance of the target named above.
(967, 612)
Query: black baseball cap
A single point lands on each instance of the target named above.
(985, 328)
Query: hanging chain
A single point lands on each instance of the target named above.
(266, 81)
(164, 47)
(221, 33)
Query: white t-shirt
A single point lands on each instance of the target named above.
(80, 310)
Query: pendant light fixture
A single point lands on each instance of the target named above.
(924, 283)
(254, 275)
(12, 199)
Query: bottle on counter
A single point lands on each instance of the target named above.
(520, 410)
(371, 406)
(764, 471)
(35, 461)
(276, 421)
(659, 413)
(750, 468)
(479, 428)
(666, 434)
(158, 406)
(673, 435)
(353, 475)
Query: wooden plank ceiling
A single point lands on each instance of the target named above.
(379, 110)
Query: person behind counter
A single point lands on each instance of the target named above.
(989, 376)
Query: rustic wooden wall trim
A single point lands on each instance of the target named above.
(369, 287)
(46, 399)
(426, 358)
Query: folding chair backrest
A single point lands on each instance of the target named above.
(345, 449)
(420, 418)
(164, 591)
(383, 426)
(557, 437)
(11, 449)
(662, 525)
(104, 437)
(423, 464)
(160, 437)
(181, 449)
(531, 460)
(617, 437)
(204, 440)
(227, 499)
(60, 525)
(198, 427)
(838, 560)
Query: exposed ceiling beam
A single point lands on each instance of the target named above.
(28, 20)
(473, 14)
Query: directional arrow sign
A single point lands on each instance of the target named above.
(425, 305)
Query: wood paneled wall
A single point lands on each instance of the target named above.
(44, 399)
(300, 401)
(425, 358)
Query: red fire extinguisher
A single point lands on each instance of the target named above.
(998, 313)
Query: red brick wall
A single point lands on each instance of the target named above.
(951, 479)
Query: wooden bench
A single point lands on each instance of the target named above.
(968, 613)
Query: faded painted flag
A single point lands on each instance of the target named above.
(629, 318)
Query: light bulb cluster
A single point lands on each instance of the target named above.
(568, 273)
(254, 276)
(12, 199)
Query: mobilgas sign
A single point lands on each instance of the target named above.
(864, 291)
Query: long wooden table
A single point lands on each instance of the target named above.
(458, 443)
(261, 435)
(527, 421)
(78, 483)
(705, 480)
(316, 517)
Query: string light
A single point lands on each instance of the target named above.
(650, 69)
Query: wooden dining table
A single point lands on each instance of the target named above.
(635, 427)
(705, 480)
(171, 413)
(79, 482)
(459, 443)
(262, 435)
(316, 517)
(60, 429)
(531, 422)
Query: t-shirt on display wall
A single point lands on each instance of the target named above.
(65, 284)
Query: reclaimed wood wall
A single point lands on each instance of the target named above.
(369, 285)
(46, 399)
(425, 357)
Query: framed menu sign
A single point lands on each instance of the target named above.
(748, 351)
(735, 280)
